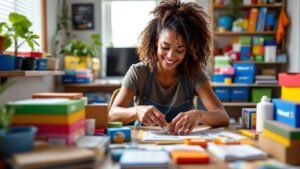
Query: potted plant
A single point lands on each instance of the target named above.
(1, 44)
(17, 33)
(78, 54)
(10, 136)
(226, 19)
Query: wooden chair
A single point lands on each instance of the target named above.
(113, 96)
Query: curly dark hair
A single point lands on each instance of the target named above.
(187, 19)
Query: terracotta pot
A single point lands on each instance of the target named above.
(1, 44)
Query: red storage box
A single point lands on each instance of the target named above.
(289, 79)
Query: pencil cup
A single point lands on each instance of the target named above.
(90, 126)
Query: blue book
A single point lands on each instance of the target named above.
(144, 159)
(260, 25)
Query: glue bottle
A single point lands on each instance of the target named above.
(264, 111)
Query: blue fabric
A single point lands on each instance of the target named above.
(169, 111)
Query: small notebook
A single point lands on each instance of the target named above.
(144, 159)
(237, 152)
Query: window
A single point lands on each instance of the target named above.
(124, 20)
(31, 9)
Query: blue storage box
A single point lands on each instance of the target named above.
(287, 112)
(7, 62)
(119, 135)
(245, 52)
(41, 64)
(223, 93)
(220, 78)
(83, 80)
(239, 94)
(244, 68)
(248, 79)
(67, 79)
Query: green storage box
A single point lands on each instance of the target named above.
(245, 40)
(257, 93)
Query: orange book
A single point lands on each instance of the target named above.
(189, 156)
(57, 95)
(252, 19)
(196, 141)
(225, 140)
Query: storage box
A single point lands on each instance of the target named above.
(98, 112)
(41, 64)
(287, 112)
(249, 118)
(75, 62)
(244, 68)
(248, 79)
(220, 78)
(245, 40)
(257, 93)
(239, 94)
(289, 79)
(223, 93)
(290, 93)
(245, 52)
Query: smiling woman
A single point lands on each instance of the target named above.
(174, 49)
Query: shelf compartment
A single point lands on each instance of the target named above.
(244, 33)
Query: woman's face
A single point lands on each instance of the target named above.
(171, 49)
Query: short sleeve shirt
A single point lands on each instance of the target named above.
(136, 80)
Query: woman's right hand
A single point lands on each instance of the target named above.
(150, 116)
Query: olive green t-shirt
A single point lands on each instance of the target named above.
(136, 79)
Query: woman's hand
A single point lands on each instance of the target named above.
(150, 116)
(184, 122)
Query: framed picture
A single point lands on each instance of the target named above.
(83, 16)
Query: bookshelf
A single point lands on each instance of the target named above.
(222, 38)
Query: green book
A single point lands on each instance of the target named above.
(46, 106)
(283, 129)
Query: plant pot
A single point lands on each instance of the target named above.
(18, 139)
(53, 63)
(7, 62)
(18, 62)
(28, 63)
(1, 44)
(41, 64)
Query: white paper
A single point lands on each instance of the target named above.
(209, 134)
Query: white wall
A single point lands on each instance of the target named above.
(293, 36)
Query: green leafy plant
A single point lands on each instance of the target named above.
(5, 113)
(17, 30)
(81, 49)
(234, 8)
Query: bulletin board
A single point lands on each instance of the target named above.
(83, 16)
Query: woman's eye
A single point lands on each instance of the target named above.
(180, 51)
(165, 48)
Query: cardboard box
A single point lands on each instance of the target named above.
(98, 112)
(279, 151)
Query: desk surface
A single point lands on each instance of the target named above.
(215, 162)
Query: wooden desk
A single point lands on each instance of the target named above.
(214, 163)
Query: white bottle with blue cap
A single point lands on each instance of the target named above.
(264, 111)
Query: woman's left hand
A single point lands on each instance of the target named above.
(184, 122)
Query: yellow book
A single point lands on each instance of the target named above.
(280, 139)
(48, 119)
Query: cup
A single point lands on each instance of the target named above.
(90, 127)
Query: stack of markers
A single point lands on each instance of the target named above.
(59, 121)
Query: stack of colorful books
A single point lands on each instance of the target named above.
(59, 121)
(284, 132)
